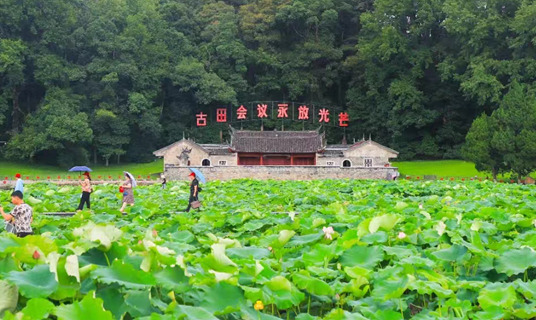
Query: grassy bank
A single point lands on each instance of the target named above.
(9, 169)
(440, 168)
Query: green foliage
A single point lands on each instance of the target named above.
(415, 75)
(504, 141)
(469, 256)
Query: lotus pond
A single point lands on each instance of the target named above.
(269, 250)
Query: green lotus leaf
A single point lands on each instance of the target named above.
(38, 282)
(527, 289)
(314, 286)
(284, 237)
(38, 308)
(173, 279)
(194, 313)
(114, 301)
(389, 288)
(497, 295)
(249, 313)
(218, 252)
(340, 314)
(385, 222)
(526, 311)
(515, 261)
(303, 240)
(89, 308)
(223, 298)
(157, 316)
(103, 235)
(279, 283)
(125, 275)
(493, 313)
(455, 253)
(248, 252)
(139, 303)
(366, 257)
(320, 254)
(284, 299)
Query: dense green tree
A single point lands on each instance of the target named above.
(111, 134)
(413, 74)
(505, 141)
(478, 147)
(57, 128)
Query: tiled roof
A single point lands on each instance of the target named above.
(277, 141)
(217, 149)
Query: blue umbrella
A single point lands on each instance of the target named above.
(80, 169)
(198, 175)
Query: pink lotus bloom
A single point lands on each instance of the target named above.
(401, 235)
(328, 232)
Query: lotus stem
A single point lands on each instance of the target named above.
(107, 260)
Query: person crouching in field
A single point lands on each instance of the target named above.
(21, 216)
(86, 192)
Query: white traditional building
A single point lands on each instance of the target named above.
(299, 150)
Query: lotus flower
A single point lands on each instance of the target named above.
(258, 305)
(328, 232)
(421, 206)
(401, 235)
(36, 255)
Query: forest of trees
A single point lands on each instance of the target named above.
(87, 80)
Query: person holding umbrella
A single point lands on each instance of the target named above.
(86, 192)
(128, 193)
(19, 185)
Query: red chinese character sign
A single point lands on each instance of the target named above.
(344, 118)
(201, 119)
(275, 110)
(221, 115)
(262, 110)
(282, 110)
(241, 113)
(303, 113)
(324, 115)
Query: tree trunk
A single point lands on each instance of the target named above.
(494, 173)
(94, 155)
(107, 161)
(118, 159)
(16, 113)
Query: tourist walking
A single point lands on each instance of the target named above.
(19, 185)
(86, 192)
(193, 202)
(164, 181)
(20, 219)
(128, 191)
